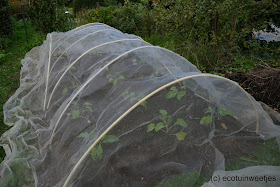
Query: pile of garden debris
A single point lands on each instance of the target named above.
(263, 83)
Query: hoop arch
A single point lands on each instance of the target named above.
(115, 41)
(144, 99)
(107, 65)
(78, 41)
(91, 25)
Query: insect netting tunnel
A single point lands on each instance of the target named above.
(97, 107)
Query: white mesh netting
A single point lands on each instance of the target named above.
(97, 107)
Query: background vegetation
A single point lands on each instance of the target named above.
(216, 36)
(5, 20)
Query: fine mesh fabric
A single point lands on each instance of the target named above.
(97, 107)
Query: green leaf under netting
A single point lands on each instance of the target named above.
(96, 152)
(181, 94)
(159, 126)
(163, 112)
(110, 139)
(75, 114)
(181, 122)
(181, 136)
(151, 127)
(224, 112)
(170, 94)
(206, 120)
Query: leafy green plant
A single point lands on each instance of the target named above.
(132, 97)
(78, 111)
(136, 62)
(74, 85)
(144, 103)
(114, 79)
(129, 95)
(216, 112)
(175, 93)
(97, 151)
(166, 125)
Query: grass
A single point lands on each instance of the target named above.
(10, 65)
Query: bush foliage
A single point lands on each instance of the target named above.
(15, 6)
(43, 15)
(206, 32)
(46, 17)
(5, 19)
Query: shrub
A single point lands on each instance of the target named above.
(212, 30)
(5, 19)
(80, 4)
(47, 17)
(131, 18)
(15, 6)
(43, 15)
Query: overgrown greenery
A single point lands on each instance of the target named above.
(43, 15)
(211, 34)
(5, 19)
(46, 16)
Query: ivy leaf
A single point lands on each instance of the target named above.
(163, 112)
(206, 120)
(74, 103)
(159, 126)
(170, 94)
(181, 122)
(151, 127)
(110, 139)
(75, 114)
(181, 136)
(83, 135)
(73, 67)
(96, 152)
(65, 91)
(180, 95)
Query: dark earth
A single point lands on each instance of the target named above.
(263, 83)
